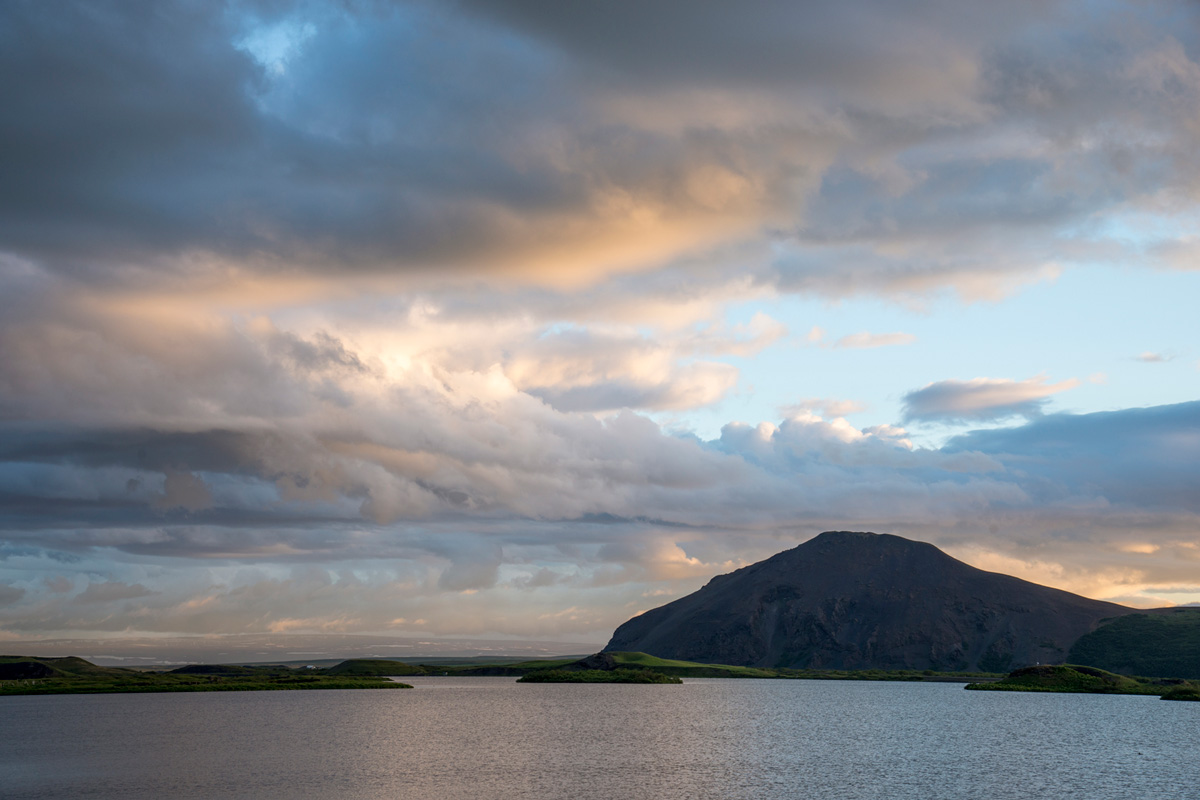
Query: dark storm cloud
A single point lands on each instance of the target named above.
(142, 140)
(136, 130)
(150, 478)
(115, 113)
(214, 451)
(762, 42)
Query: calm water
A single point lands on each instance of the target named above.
(494, 738)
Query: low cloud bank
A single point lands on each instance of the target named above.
(462, 521)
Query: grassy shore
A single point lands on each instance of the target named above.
(1075, 679)
(693, 669)
(155, 682)
(21, 675)
(597, 676)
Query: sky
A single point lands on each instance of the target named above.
(513, 319)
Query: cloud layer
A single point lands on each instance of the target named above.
(878, 151)
(389, 316)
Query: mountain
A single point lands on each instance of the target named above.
(847, 600)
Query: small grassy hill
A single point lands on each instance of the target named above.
(1068, 678)
(1165, 644)
(373, 666)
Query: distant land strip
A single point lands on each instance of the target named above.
(24, 675)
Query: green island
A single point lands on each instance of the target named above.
(1077, 679)
(72, 675)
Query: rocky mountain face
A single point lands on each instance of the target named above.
(847, 600)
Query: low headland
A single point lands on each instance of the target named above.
(72, 675)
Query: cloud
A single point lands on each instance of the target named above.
(10, 594)
(826, 406)
(1135, 458)
(862, 340)
(329, 316)
(59, 584)
(696, 385)
(110, 592)
(981, 399)
(614, 508)
(245, 173)
(1150, 357)
(861, 151)
(577, 369)
(865, 339)
(183, 490)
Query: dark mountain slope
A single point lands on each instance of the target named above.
(848, 600)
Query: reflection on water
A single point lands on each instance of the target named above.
(493, 738)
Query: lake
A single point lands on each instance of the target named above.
(494, 738)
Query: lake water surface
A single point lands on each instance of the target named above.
(494, 738)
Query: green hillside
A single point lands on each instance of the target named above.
(1068, 678)
(373, 666)
(1161, 645)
